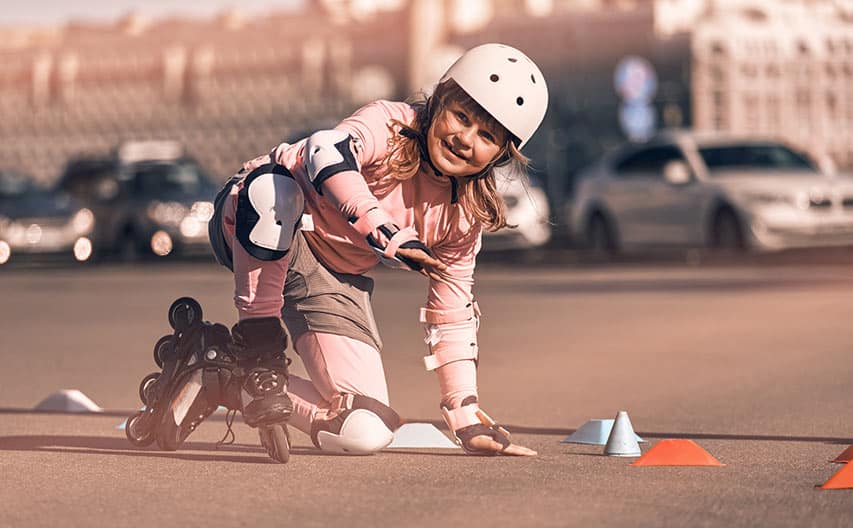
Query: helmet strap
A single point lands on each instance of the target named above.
(424, 151)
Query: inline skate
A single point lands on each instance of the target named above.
(203, 368)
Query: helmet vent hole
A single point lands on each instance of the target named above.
(519, 101)
(532, 78)
(512, 59)
(494, 78)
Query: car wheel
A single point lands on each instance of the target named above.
(726, 232)
(600, 236)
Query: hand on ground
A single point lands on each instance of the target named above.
(487, 443)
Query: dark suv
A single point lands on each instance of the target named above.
(148, 199)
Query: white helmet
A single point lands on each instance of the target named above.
(506, 83)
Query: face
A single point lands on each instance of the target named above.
(460, 144)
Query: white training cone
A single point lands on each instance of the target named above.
(622, 440)
(68, 400)
(420, 436)
(593, 432)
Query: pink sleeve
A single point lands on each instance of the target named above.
(369, 127)
(455, 290)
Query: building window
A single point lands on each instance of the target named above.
(718, 74)
(773, 71)
(830, 70)
(831, 102)
(717, 48)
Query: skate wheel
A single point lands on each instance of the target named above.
(138, 431)
(147, 389)
(184, 312)
(276, 440)
(163, 349)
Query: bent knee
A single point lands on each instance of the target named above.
(356, 425)
(361, 433)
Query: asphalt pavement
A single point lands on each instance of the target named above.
(748, 359)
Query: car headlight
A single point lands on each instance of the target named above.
(202, 211)
(83, 221)
(167, 213)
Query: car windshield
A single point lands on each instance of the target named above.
(170, 178)
(759, 157)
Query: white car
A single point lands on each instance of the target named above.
(527, 208)
(684, 189)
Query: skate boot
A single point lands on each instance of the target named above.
(197, 372)
(258, 348)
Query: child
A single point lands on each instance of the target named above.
(408, 185)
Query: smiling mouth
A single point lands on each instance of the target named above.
(450, 149)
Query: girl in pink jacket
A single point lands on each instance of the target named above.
(408, 185)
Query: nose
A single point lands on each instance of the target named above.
(465, 137)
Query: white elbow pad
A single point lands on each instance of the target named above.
(451, 335)
(327, 153)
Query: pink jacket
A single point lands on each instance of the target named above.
(422, 202)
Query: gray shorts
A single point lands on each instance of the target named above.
(315, 298)
(321, 300)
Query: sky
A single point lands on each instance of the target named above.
(41, 13)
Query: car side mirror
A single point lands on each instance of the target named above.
(676, 172)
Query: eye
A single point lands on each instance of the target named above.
(488, 136)
(461, 116)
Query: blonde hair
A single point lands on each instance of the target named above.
(478, 195)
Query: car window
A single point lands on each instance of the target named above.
(757, 157)
(156, 178)
(13, 184)
(648, 161)
(90, 180)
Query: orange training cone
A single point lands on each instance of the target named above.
(677, 453)
(843, 479)
(845, 457)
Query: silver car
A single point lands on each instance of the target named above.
(684, 189)
(526, 208)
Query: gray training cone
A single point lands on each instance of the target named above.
(68, 400)
(622, 440)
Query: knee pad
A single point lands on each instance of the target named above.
(269, 209)
(355, 425)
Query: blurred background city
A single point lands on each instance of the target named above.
(121, 119)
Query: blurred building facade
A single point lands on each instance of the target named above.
(232, 87)
(228, 88)
(777, 67)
